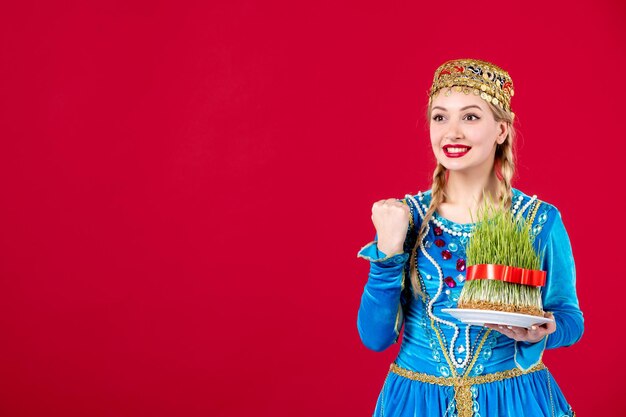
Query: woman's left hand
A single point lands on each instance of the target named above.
(522, 334)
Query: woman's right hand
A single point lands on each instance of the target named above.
(391, 220)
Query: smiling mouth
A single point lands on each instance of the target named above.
(455, 151)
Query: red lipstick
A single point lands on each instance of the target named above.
(455, 154)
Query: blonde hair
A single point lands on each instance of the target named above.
(505, 156)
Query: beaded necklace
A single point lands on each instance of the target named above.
(459, 233)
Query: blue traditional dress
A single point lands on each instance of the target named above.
(447, 368)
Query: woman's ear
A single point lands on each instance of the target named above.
(503, 131)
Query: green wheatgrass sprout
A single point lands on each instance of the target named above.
(500, 238)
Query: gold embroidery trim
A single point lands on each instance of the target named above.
(531, 218)
(463, 385)
(462, 392)
(464, 381)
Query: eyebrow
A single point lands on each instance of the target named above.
(464, 108)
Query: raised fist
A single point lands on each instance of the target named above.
(391, 220)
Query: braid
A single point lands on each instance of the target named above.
(504, 155)
(438, 196)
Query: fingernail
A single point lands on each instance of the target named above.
(533, 327)
(509, 327)
(500, 327)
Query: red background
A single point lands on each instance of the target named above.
(185, 187)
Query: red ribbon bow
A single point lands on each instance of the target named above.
(507, 273)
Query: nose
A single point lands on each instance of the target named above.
(453, 130)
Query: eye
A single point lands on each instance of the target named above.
(436, 117)
(473, 115)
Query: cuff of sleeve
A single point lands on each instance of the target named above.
(371, 253)
(529, 354)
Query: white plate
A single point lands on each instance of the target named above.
(480, 317)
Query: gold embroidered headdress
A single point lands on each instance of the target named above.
(483, 78)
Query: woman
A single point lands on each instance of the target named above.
(417, 268)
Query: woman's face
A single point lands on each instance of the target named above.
(463, 132)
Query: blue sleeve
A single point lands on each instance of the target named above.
(380, 315)
(559, 295)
